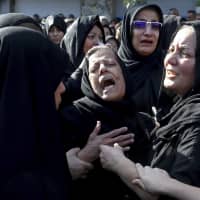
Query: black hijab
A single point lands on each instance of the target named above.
(18, 19)
(33, 164)
(170, 24)
(74, 39)
(57, 21)
(145, 71)
(90, 96)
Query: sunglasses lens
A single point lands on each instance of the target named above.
(156, 25)
(139, 24)
(143, 24)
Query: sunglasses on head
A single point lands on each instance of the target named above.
(139, 24)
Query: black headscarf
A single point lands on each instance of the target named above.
(74, 39)
(33, 164)
(170, 24)
(183, 116)
(85, 84)
(115, 113)
(57, 21)
(145, 71)
(18, 19)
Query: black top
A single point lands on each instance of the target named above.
(33, 163)
(145, 71)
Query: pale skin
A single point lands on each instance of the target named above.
(145, 40)
(55, 34)
(151, 180)
(94, 38)
(105, 75)
(179, 62)
(113, 159)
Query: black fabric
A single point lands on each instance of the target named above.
(145, 71)
(33, 163)
(176, 143)
(170, 24)
(18, 19)
(82, 117)
(74, 39)
(57, 21)
(73, 42)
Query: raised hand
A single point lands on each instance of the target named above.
(91, 150)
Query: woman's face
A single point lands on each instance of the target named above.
(55, 34)
(145, 38)
(57, 95)
(106, 76)
(94, 37)
(180, 62)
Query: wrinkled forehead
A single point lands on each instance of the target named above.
(102, 54)
(143, 12)
(186, 35)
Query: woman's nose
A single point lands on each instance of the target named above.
(148, 29)
(171, 58)
(102, 68)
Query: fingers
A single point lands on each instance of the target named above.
(140, 169)
(87, 166)
(116, 145)
(125, 140)
(122, 140)
(162, 171)
(96, 130)
(139, 183)
(116, 132)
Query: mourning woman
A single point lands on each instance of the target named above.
(33, 162)
(84, 33)
(55, 28)
(106, 89)
(140, 51)
(176, 141)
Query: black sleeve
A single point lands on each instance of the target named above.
(73, 86)
(186, 166)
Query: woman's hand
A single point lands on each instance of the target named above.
(112, 157)
(91, 150)
(77, 167)
(153, 180)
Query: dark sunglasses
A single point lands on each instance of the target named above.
(143, 24)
